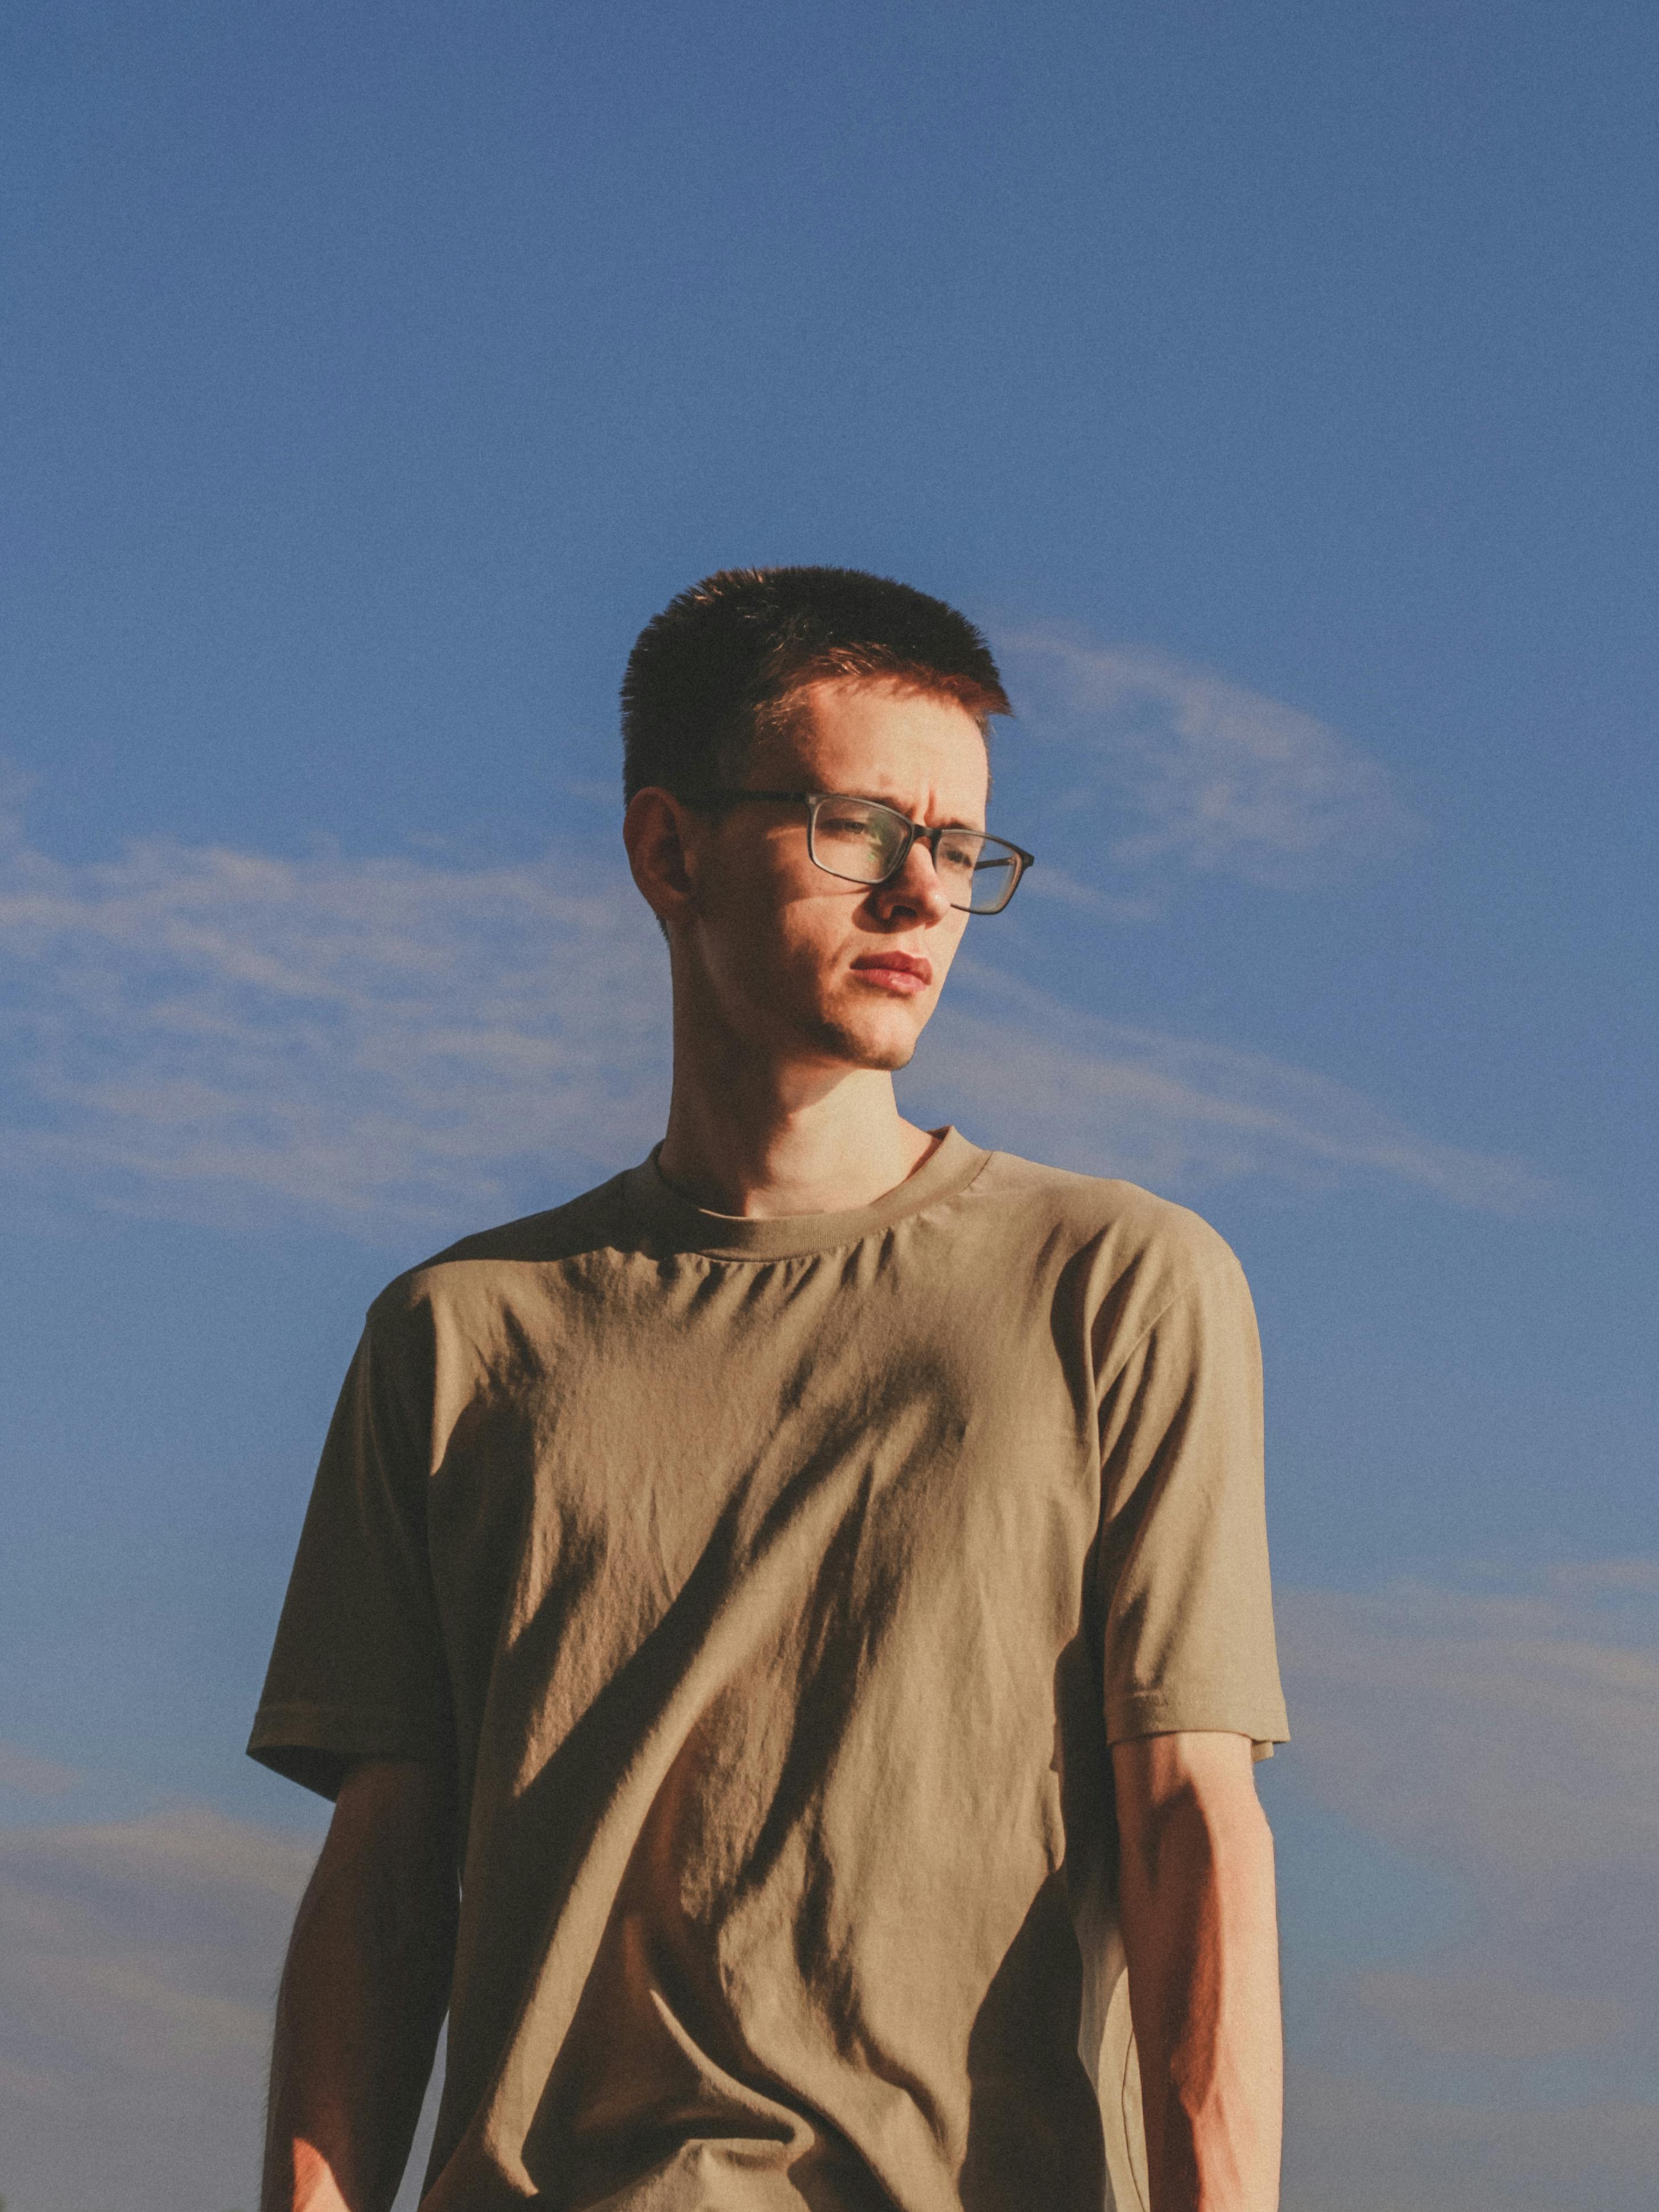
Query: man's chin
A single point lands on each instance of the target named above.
(877, 1045)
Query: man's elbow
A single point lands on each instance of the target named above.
(1188, 1802)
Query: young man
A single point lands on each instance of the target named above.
(812, 1588)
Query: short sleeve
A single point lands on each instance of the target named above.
(1185, 1600)
(358, 1670)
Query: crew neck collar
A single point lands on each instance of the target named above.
(672, 1223)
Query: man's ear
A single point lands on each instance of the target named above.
(655, 830)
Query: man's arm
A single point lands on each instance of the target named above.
(362, 1995)
(1200, 1932)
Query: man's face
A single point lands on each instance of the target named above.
(831, 973)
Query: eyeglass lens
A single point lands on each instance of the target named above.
(861, 840)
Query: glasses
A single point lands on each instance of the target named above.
(863, 841)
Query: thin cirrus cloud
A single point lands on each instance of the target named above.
(201, 1032)
(1504, 1733)
(1175, 1113)
(1204, 774)
(1353, 2145)
(213, 1033)
(28, 1776)
(1557, 1681)
(1468, 2016)
(137, 1965)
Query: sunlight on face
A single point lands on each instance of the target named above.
(824, 970)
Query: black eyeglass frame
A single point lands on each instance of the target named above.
(918, 834)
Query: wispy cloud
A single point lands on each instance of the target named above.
(1504, 1730)
(1354, 2145)
(217, 1034)
(1033, 1075)
(1512, 1731)
(198, 1030)
(138, 1968)
(1204, 773)
(1475, 2016)
(137, 1964)
(1059, 887)
(32, 1777)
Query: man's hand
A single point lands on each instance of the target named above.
(1196, 1898)
(363, 1995)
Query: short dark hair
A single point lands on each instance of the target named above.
(722, 661)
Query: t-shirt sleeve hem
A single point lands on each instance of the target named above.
(1220, 1710)
(316, 1745)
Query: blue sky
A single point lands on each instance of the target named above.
(1277, 388)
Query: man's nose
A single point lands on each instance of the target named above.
(916, 889)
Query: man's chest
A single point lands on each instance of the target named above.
(700, 1435)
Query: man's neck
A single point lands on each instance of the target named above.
(763, 1150)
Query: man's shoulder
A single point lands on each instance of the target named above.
(490, 1260)
(1091, 1212)
(1120, 1262)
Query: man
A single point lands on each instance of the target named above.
(813, 1588)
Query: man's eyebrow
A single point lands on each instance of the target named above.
(877, 798)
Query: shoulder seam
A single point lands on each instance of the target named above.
(1174, 1298)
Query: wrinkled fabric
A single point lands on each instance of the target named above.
(775, 1588)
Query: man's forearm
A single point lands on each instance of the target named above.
(362, 2000)
(1200, 1934)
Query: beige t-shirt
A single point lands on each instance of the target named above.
(776, 1588)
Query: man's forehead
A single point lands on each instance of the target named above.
(882, 722)
(864, 697)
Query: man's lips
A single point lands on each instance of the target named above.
(901, 972)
